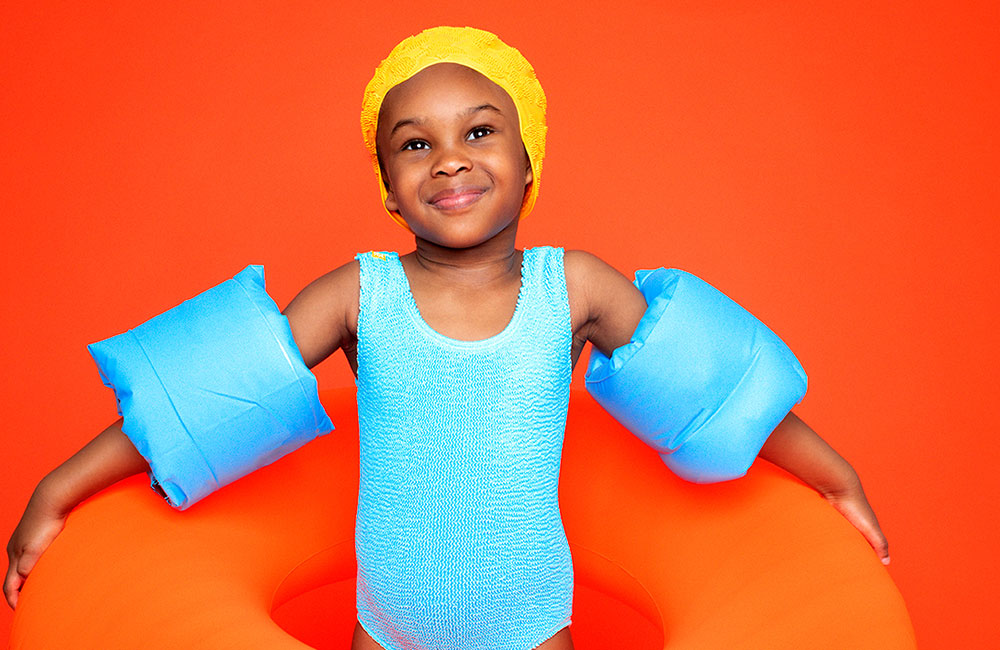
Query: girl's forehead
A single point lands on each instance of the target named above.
(443, 86)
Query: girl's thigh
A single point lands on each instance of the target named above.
(362, 640)
(561, 640)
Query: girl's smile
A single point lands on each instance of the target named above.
(456, 198)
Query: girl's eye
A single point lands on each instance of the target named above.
(479, 132)
(415, 145)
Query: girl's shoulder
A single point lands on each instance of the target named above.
(324, 315)
(590, 277)
(582, 265)
(335, 290)
(604, 304)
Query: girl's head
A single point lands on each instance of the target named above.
(454, 120)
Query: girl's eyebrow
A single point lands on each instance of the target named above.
(483, 107)
(418, 121)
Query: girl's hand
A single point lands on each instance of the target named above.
(797, 449)
(103, 461)
(39, 525)
(853, 504)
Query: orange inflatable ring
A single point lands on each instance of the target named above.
(268, 562)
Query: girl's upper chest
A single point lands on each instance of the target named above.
(467, 313)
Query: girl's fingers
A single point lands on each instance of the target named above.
(12, 585)
(862, 517)
(873, 533)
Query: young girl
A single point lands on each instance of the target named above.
(463, 351)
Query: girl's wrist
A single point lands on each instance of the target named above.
(843, 481)
(49, 498)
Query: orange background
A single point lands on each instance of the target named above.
(832, 169)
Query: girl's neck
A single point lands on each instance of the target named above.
(493, 260)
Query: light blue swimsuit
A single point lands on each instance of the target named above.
(459, 540)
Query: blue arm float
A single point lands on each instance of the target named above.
(702, 381)
(212, 389)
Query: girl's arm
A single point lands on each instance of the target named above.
(323, 318)
(606, 308)
(105, 460)
(797, 449)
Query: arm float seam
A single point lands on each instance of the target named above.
(180, 420)
(291, 363)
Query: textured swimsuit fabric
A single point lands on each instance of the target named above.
(459, 540)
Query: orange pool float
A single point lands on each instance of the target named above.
(268, 562)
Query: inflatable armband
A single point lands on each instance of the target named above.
(702, 381)
(212, 389)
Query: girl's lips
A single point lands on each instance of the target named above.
(457, 198)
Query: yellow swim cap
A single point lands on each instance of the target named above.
(486, 54)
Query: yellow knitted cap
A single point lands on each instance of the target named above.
(486, 54)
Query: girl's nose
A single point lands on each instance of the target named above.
(450, 161)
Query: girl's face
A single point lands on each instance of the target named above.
(452, 156)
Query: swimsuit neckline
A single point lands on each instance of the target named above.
(499, 337)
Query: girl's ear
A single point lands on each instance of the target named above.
(390, 197)
(529, 176)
